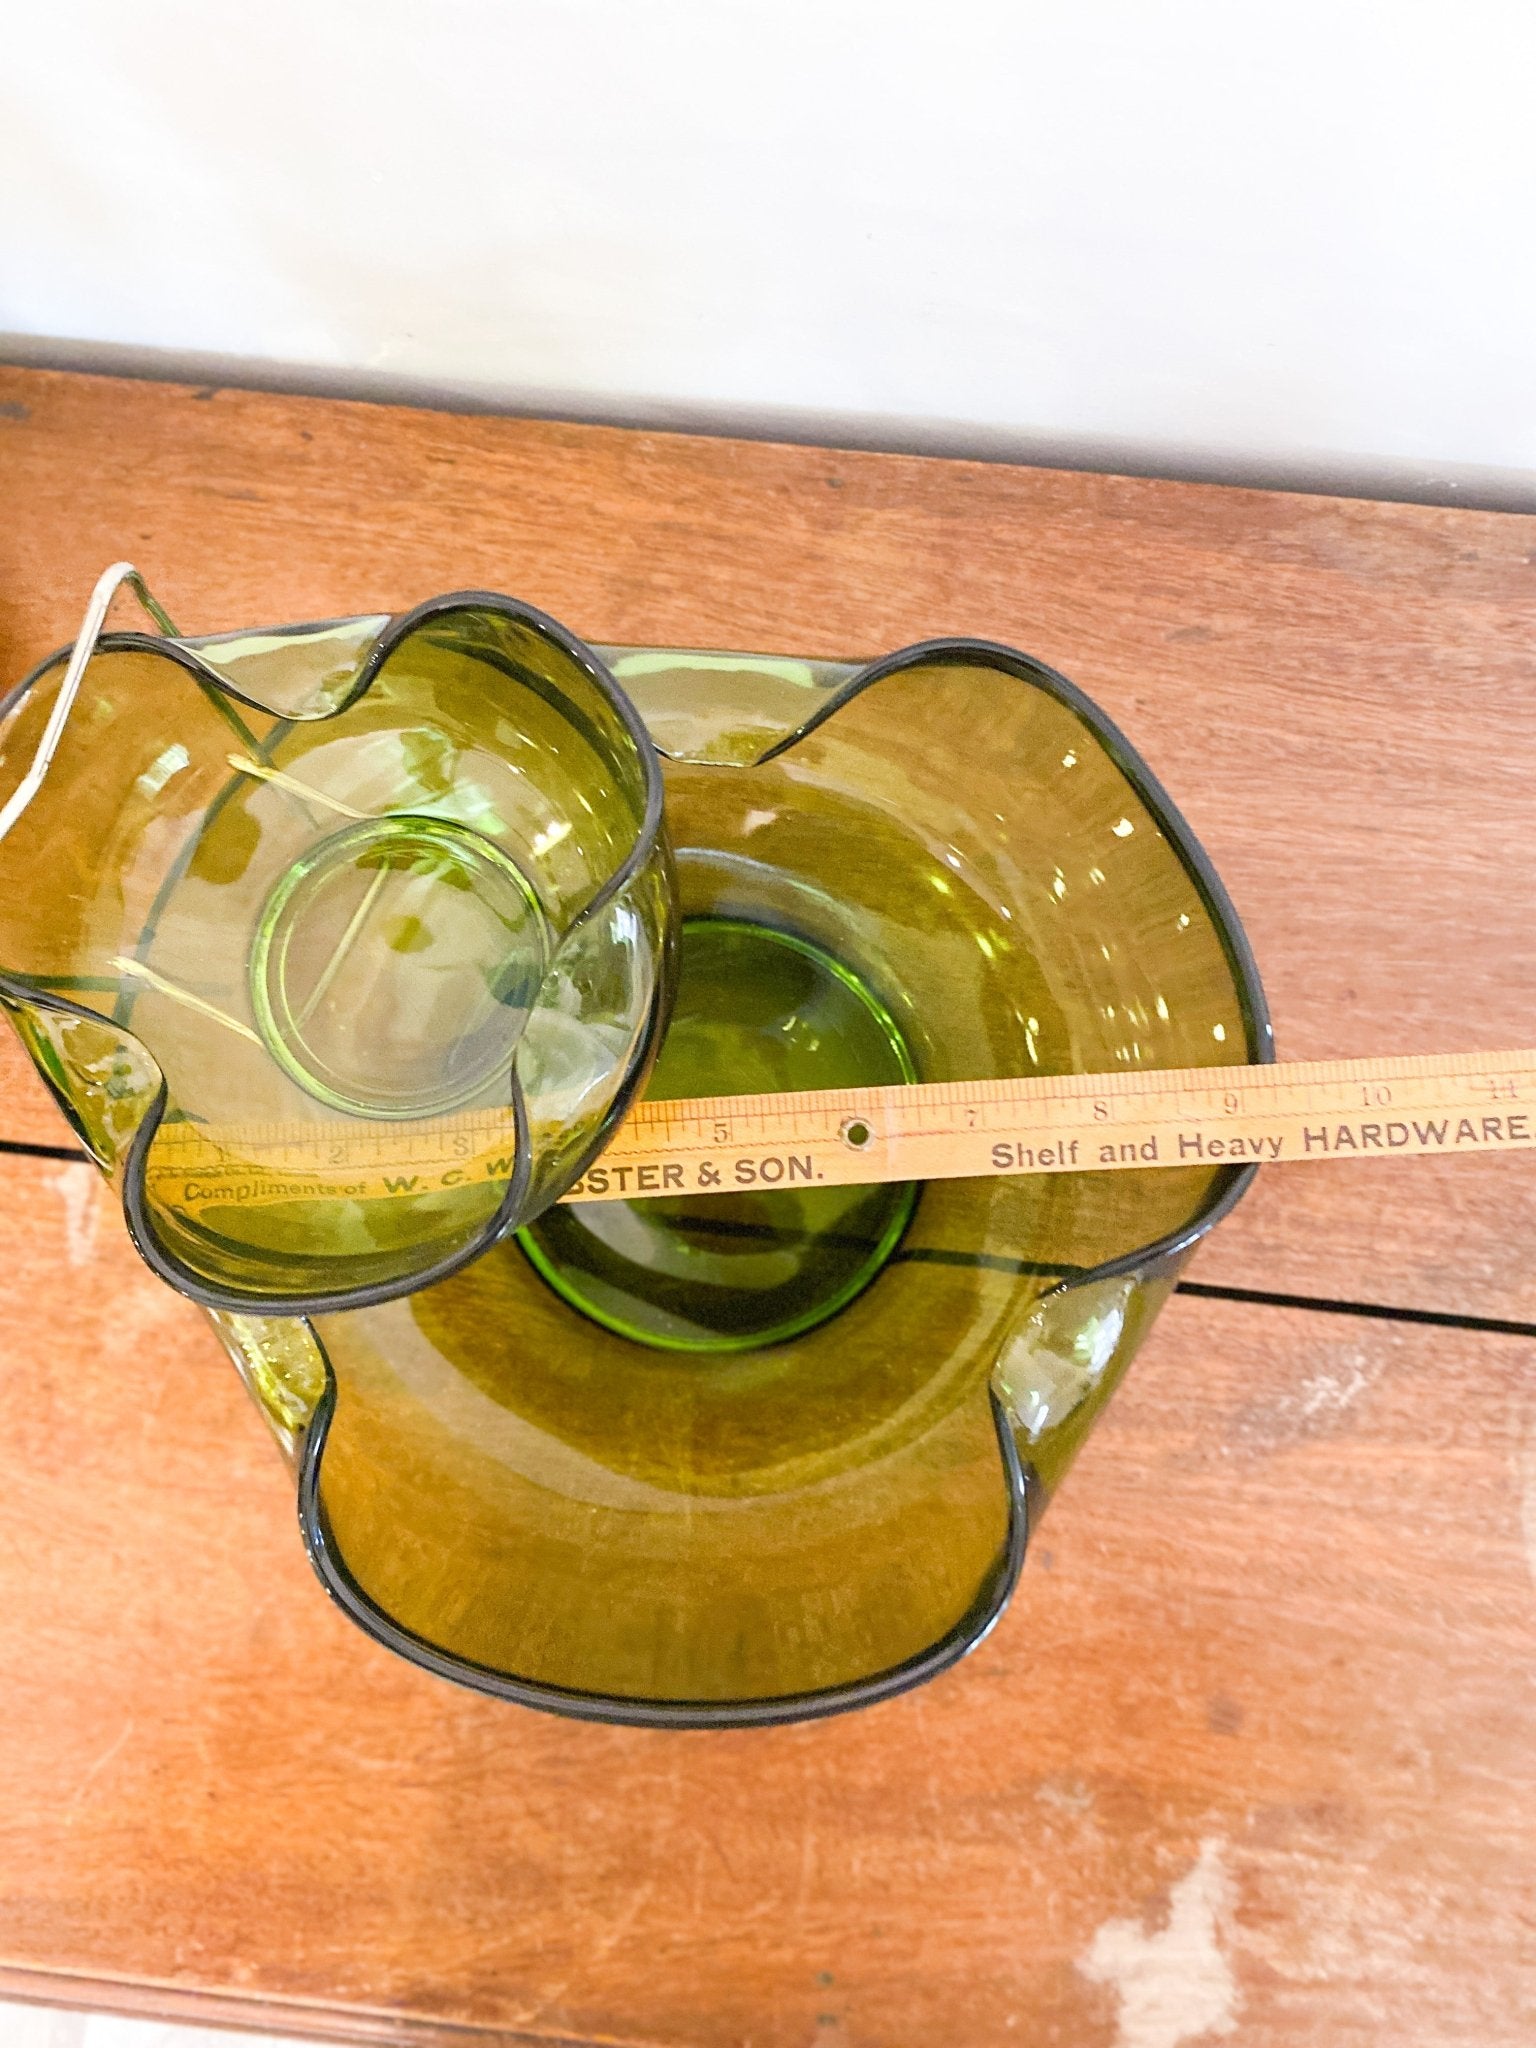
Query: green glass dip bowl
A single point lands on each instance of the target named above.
(303, 895)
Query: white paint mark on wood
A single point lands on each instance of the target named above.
(79, 1188)
(1331, 1393)
(95, 1770)
(1175, 1985)
(1067, 1794)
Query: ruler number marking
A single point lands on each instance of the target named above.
(1156, 1114)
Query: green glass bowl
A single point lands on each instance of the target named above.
(311, 893)
(770, 1454)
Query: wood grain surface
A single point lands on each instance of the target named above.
(1251, 1754)
(1255, 1734)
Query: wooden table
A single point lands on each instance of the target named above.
(1251, 1754)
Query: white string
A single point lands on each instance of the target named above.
(107, 586)
(137, 970)
(243, 765)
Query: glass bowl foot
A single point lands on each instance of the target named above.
(758, 1011)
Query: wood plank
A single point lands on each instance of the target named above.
(28, 1113)
(1254, 1739)
(1339, 694)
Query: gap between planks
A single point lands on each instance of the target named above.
(1256, 1297)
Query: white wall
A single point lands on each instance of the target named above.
(1202, 236)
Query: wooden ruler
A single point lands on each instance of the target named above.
(1464, 1103)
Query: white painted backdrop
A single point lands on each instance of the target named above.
(1197, 236)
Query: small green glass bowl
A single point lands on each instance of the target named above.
(776, 1453)
(301, 894)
